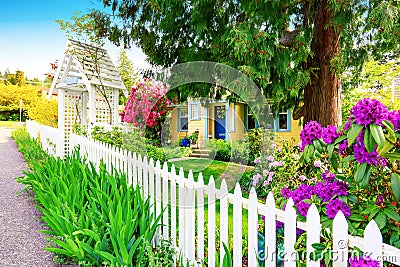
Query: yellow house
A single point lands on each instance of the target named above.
(222, 119)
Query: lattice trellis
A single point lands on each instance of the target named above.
(106, 99)
(74, 113)
(88, 86)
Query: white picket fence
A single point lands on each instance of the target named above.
(196, 235)
(49, 136)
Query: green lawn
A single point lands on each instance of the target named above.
(219, 170)
(231, 172)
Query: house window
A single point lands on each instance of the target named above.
(195, 111)
(250, 120)
(282, 122)
(182, 119)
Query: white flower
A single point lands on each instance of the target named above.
(317, 164)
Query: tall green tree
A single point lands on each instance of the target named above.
(128, 74)
(295, 50)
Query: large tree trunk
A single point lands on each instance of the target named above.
(322, 97)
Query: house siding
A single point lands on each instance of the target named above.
(294, 133)
(239, 121)
(198, 124)
(175, 134)
(207, 120)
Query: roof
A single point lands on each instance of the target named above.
(84, 65)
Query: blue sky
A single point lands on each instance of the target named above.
(30, 38)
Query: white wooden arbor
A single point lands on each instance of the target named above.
(88, 86)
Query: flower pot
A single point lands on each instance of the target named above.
(185, 142)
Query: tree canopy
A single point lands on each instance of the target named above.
(295, 51)
(128, 74)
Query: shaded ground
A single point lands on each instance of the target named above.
(20, 243)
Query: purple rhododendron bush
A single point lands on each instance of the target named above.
(353, 168)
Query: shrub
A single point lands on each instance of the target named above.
(353, 168)
(240, 152)
(147, 108)
(177, 152)
(31, 150)
(220, 150)
(44, 111)
(156, 153)
(113, 137)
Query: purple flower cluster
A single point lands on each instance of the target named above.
(311, 131)
(394, 118)
(368, 111)
(364, 261)
(329, 134)
(328, 176)
(301, 193)
(362, 155)
(303, 207)
(326, 191)
(333, 207)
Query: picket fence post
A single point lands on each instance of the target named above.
(190, 218)
(373, 242)
(173, 207)
(290, 234)
(129, 168)
(140, 171)
(237, 227)
(252, 228)
(313, 233)
(340, 238)
(181, 208)
(200, 217)
(211, 221)
(152, 176)
(223, 220)
(270, 231)
(165, 200)
(146, 177)
(134, 167)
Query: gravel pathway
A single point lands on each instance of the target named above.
(20, 243)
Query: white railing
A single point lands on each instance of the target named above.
(195, 233)
(49, 136)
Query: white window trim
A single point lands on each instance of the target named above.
(191, 117)
(289, 126)
(179, 120)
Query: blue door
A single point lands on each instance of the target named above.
(219, 122)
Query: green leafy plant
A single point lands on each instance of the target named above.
(220, 150)
(31, 150)
(93, 216)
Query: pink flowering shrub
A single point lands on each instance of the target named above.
(147, 107)
(146, 103)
